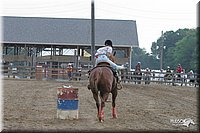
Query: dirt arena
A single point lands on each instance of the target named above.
(30, 105)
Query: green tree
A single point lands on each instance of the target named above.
(178, 47)
(147, 60)
(168, 40)
(185, 51)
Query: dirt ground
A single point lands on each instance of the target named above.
(30, 105)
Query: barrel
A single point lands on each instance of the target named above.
(67, 103)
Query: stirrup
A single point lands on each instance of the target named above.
(119, 86)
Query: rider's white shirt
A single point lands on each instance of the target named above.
(104, 50)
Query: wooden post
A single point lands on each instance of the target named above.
(92, 33)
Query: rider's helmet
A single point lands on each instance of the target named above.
(108, 43)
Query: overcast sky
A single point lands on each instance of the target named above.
(151, 16)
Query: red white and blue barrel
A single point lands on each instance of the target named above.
(67, 103)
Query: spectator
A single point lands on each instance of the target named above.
(79, 71)
(191, 77)
(161, 76)
(179, 70)
(147, 75)
(69, 71)
(154, 75)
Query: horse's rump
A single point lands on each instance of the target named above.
(168, 76)
(101, 78)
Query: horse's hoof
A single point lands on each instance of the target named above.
(108, 101)
(101, 121)
(114, 116)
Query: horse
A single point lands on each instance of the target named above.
(102, 80)
(180, 78)
(168, 77)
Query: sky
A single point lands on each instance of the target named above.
(151, 16)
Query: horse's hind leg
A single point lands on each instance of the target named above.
(114, 95)
(104, 98)
(96, 98)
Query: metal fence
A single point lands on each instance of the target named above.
(55, 72)
(160, 78)
(39, 72)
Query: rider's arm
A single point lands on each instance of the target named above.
(109, 52)
(109, 55)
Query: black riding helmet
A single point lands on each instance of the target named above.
(108, 43)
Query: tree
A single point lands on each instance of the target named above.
(168, 40)
(147, 60)
(178, 47)
(185, 51)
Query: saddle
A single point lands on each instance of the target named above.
(104, 64)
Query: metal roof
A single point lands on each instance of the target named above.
(65, 31)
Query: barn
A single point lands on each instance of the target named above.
(29, 41)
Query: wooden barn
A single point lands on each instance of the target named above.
(29, 41)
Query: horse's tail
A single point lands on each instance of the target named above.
(96, 79)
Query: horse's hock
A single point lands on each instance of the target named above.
(67, 102)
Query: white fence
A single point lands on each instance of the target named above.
(160, 78)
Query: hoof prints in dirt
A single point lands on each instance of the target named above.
(31, 105)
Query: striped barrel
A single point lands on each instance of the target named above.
(67, 103)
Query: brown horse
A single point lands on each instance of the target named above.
(102, 80)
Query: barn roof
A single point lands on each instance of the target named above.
(65, 31)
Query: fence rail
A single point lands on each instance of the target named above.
(158, 77)
(55, 72)
(39, 72)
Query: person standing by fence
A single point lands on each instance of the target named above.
(69, 71)
(179, 70)
(191, 77)
(147, 76)
(161, 76)
(79, 72)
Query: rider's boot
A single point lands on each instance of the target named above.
(119, 85)
(120, 67)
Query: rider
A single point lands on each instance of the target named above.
(138, 67)
(168, 71)
(104, 54)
